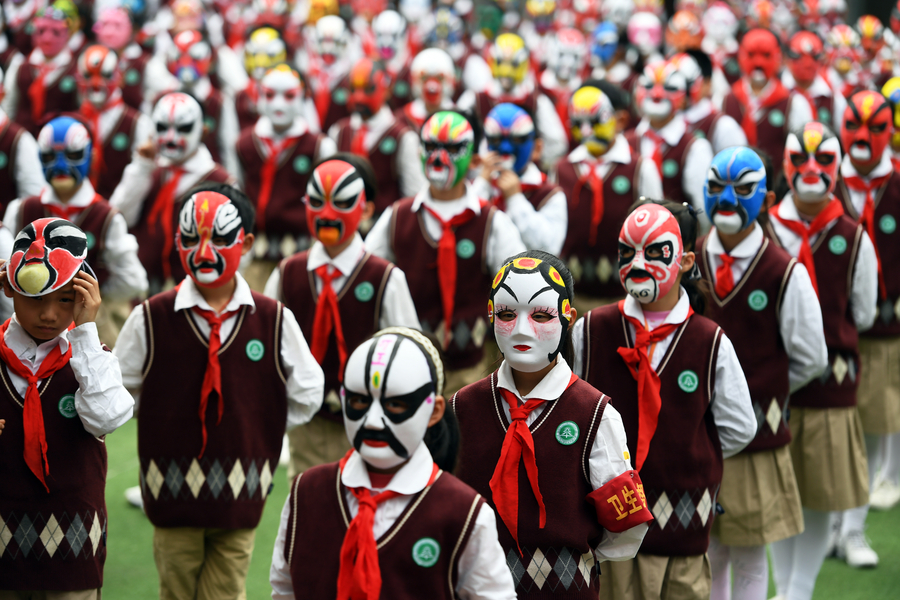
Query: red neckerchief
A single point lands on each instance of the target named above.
(37, 91)
(595, 182)
(724, 276)
(163, 209)
(776, 94)
(867, 217)
(328, 318)
(98, 164)
(68, 212)
(267, 176)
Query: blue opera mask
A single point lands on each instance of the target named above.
(509, 132)
(65, 151)
(604, 43)
(735, 189)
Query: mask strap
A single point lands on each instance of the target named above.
(426, 345)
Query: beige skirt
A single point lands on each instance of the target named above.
(760, 497)
(878, 396)
(829, 458)
(650, 577)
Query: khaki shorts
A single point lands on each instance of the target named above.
(77, 595)
(318, 442)
(650, 577)
(878, 397)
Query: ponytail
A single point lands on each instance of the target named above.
(442, 440)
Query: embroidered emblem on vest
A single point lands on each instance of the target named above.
(4, 160)
(758, 300)
(621, 184)
(567, 433)
(669, 168)
(120, 141)
(732, 67)
(824, 116)
(465, 248)
(67, 406)
(364, 291)
(838, 245)
(425, 552)
(301, 164)
(339, 96)
(688, 381)
(887, 224)
(698, 133)
(388, 145)
(132, 77)
(255, 350)
(401, 89)
(67, 84)
(91, 240)
(209, 123)
(776, 118)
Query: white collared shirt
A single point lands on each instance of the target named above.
(800, 112)
(11, 99)
(858, 197)
(482, 570)
(127, 277)
(503, 239)
(607, 460)
(726, 131)
(17, 99)
(397, 307)
(304, 378)
(731, 406)
(820, 88)
(649, 181)
(266, 131)
(102, 402)
(864, 284)
(418, 110)
(409, 165)
(800, 315)
(109, 118)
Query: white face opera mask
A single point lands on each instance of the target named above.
(388, 397)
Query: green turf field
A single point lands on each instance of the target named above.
(130, 573)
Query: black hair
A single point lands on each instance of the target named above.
(245, 208)
(362, 166)
(442, 438)
(771, 182)
(703, 61)
(619, 98)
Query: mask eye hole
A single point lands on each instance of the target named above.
(798, 159)
(48, 157)
(430, 147)
(345, 204)
(851, 125)
(315, 202)
(824, 158)
(75, 155)
(505, 314)
(715, 188)
(161, 127)
(189, 241)
(393, 406)
(626, 253)
(494, 140)
(358, 401)
(186, 128)
(877, 128)
(743, 190)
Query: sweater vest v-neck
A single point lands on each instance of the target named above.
(56, 540)
(887, 240)
(94, 220)
(683, 469)
(834, 254)
(416, 253)
(359, 304)
(595, 268)
(227, 487)
(247, 109)
(117, 151)
(61, 96)
(673, 162)
(418, 556)
(751, 316)
(9, 144)
(566, 543)
(705, 127)
(484, 103)
(771, 127)
(383, 156)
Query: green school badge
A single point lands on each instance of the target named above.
(364, 291)
(67, 84)
(255, 350)
(132, 77)
(91, 240)
(67, 406)
(776, 118)
(339, 96)
(621, 185)
(567, 433)
(120, 141)
(388, 145)
(401, 89)
(887, 224)
(465, 248)
(209, 123)
(301, 164)
(825, 116)
(732, 67)
(698, 133)
(838, 245)
(688, 381)
(425, 552)
(758, 300)
(4, 160)
(669, 168)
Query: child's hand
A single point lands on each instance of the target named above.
(2, 424)
(87, 298)
(509, 184)
(490, 165)
(147, 150)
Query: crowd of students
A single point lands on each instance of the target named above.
(563, 299)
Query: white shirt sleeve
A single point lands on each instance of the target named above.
(801, 329)
(229, 131)
(476, 74)
(864, 286)
(840, 105)
(577, 336)
(304, 378)
(397, 306)
(649, 181)
(127, 277)
(731, 406)
(131, 352)
(378, 240)
(280, 572)
(143, 132)
(273, 286)
(801, 112)
(311, 115)
(551, 130)
(696, 168)
(129, 195)
(11, 100)
(327, 148)
(727, 133)
(409, 165)
(102, 402)
(503, 242)
(543, 229)
(482, 570)
(29, 172)
(466, 100)
(11, 218)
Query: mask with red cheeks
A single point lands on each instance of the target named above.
(661, 90)
(210, 238)
(51, 32)
(98, 75)
(368, 88)
(812, 156)
(867, 128)
(805, 55)
(335, 200)
(282, 96)
(650, 251)
(759, 55)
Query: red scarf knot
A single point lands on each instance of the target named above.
(328, 317)
(267, 176)
(212, 378)
(163, 209)
(595, 182)
(867, 218)
(724, 276)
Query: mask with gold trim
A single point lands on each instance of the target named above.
(263, 51)
(592, 120)
(891, 91)
(812, 156)
(508, 60)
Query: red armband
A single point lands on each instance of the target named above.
(621, 504)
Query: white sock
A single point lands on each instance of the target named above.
(783, 563)
(891, 467)
(721, 577)
(751, 572)
(809, 554)
(855, 518)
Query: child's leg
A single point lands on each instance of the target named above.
(783, 564)
(809, 554)
(751, 572)
(179, 554)
(891, 467)
(853, 546)
(686, 578)
(719, 558)
(224, 573)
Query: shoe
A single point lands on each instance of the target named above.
(885, 496)
(133, 496)
(834, 535)
(855, 550)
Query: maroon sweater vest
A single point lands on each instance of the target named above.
(538, 196)
(285, 213)
(337, 104)
(834, 255)
(60, 96)
(620, 191)
(673, 159)
(7, 56)
(401, 90)
(683, 469)
(383, 157)
(93, 220)
(887, 240)
(750, 315)
(73, 514)
(117, 151)
(152, 239)
(442, 514)
(9, 144)
(416, 255)
(212, 116)
(771, 127)
(247, 112)
(572, 529)
(359, 311)
(133, 80)
(825, 112)
(705, 127)
(179, 489)
(484, 103)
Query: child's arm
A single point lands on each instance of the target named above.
(137, 179)
(800, 325)
(864, 286)
(305, 380)
(102, 402)
(397, 307)
(131, 352)
(127, 277)
(280, 572)
(378, 240)
(731, 406)
(482, 568)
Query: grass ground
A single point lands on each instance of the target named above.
(130, 573)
